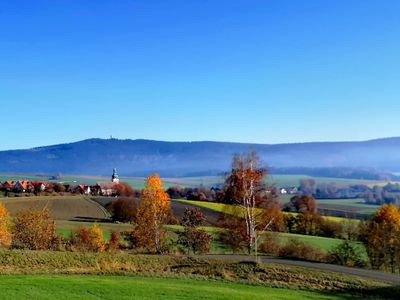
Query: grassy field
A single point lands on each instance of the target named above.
(220, 207)
(132, 287)
(352, 205)
(323, 243)
(75, 275)
(72, 212)
(64, 229)
(60, 207)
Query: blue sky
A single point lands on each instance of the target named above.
(247, 71)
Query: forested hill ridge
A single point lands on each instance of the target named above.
(141, 157)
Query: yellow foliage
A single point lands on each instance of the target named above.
(5, 227)
(154, 209)
(34, 230)
(387, 213)
(96, 238)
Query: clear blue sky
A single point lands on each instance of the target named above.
(249, 71)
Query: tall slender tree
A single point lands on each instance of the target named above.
(153, 212)
(245, 188)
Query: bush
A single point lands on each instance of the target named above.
(124, 190)
(346, 254)
(34, 230)
(123, 210)
(193, 217)
(130, 237)
(311, 224)
(270, 244)
(299, 250)
(5, 227)
(88, 239)
(235, 234)
(115, 241)
(331, 229)
(175, 192)
(195, 240)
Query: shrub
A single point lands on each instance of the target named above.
(195, 240)
(34, 230)
(271, 244)
(89, 239)
(299, 250)
(115, 241)
(130, 237)
(124, 190)
(302, 204)
(331, 229)
(346, 254)
(175, 192)
(193, 217)
(235, 236)
(58, 188)
(123, 210)
(5, 227)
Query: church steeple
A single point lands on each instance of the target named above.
(114, 177)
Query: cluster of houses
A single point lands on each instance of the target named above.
(37, 187)
(289, 190)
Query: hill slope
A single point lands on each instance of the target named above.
(141, 157)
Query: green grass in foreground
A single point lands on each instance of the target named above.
(117, 287)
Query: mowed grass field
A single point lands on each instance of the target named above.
(130, 287)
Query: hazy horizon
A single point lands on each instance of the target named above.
(194, 141)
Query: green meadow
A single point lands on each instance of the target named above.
(144, 288)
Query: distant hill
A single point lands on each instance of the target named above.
(141, 157)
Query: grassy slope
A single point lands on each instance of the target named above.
(220, 207)
(14, 263)
(356, 205)
(117, 287)
(61, 207)
(325, 244)
(64, 208)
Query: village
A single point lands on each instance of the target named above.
(27, 187)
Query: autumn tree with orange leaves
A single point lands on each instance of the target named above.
(381, 236)
(245, 188)
(153, 212)
(34, 230)
(5, 227)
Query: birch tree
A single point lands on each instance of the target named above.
(253, 202)
(153, 211)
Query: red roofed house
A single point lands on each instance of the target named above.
(39, 185)
(23, 186)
